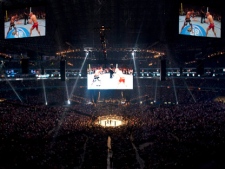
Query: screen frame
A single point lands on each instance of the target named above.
(118, 81)
(22, 7)
(197, 25)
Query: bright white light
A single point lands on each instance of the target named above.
(46, 103)
(110, 121)
(68, 101)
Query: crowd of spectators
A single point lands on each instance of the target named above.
(184, 135)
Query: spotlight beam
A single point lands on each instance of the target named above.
(189, 91)
(14, 90)
(135, 67)
(175, 92)
(75, 84)
(44, 91)
(156, 87)
(67, 93)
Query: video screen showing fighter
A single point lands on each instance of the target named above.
(20, 23)
(12, 24)
(109, 77)
(203, 21)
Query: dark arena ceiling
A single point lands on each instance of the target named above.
(143, 24)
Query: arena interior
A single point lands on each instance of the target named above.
(112, 84)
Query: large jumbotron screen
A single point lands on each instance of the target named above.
(197, 20)
(19, 22)
(111, 76)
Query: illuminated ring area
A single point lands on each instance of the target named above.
(110, 121)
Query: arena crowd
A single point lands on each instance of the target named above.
(60, 136)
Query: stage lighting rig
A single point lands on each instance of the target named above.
(102, 30)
